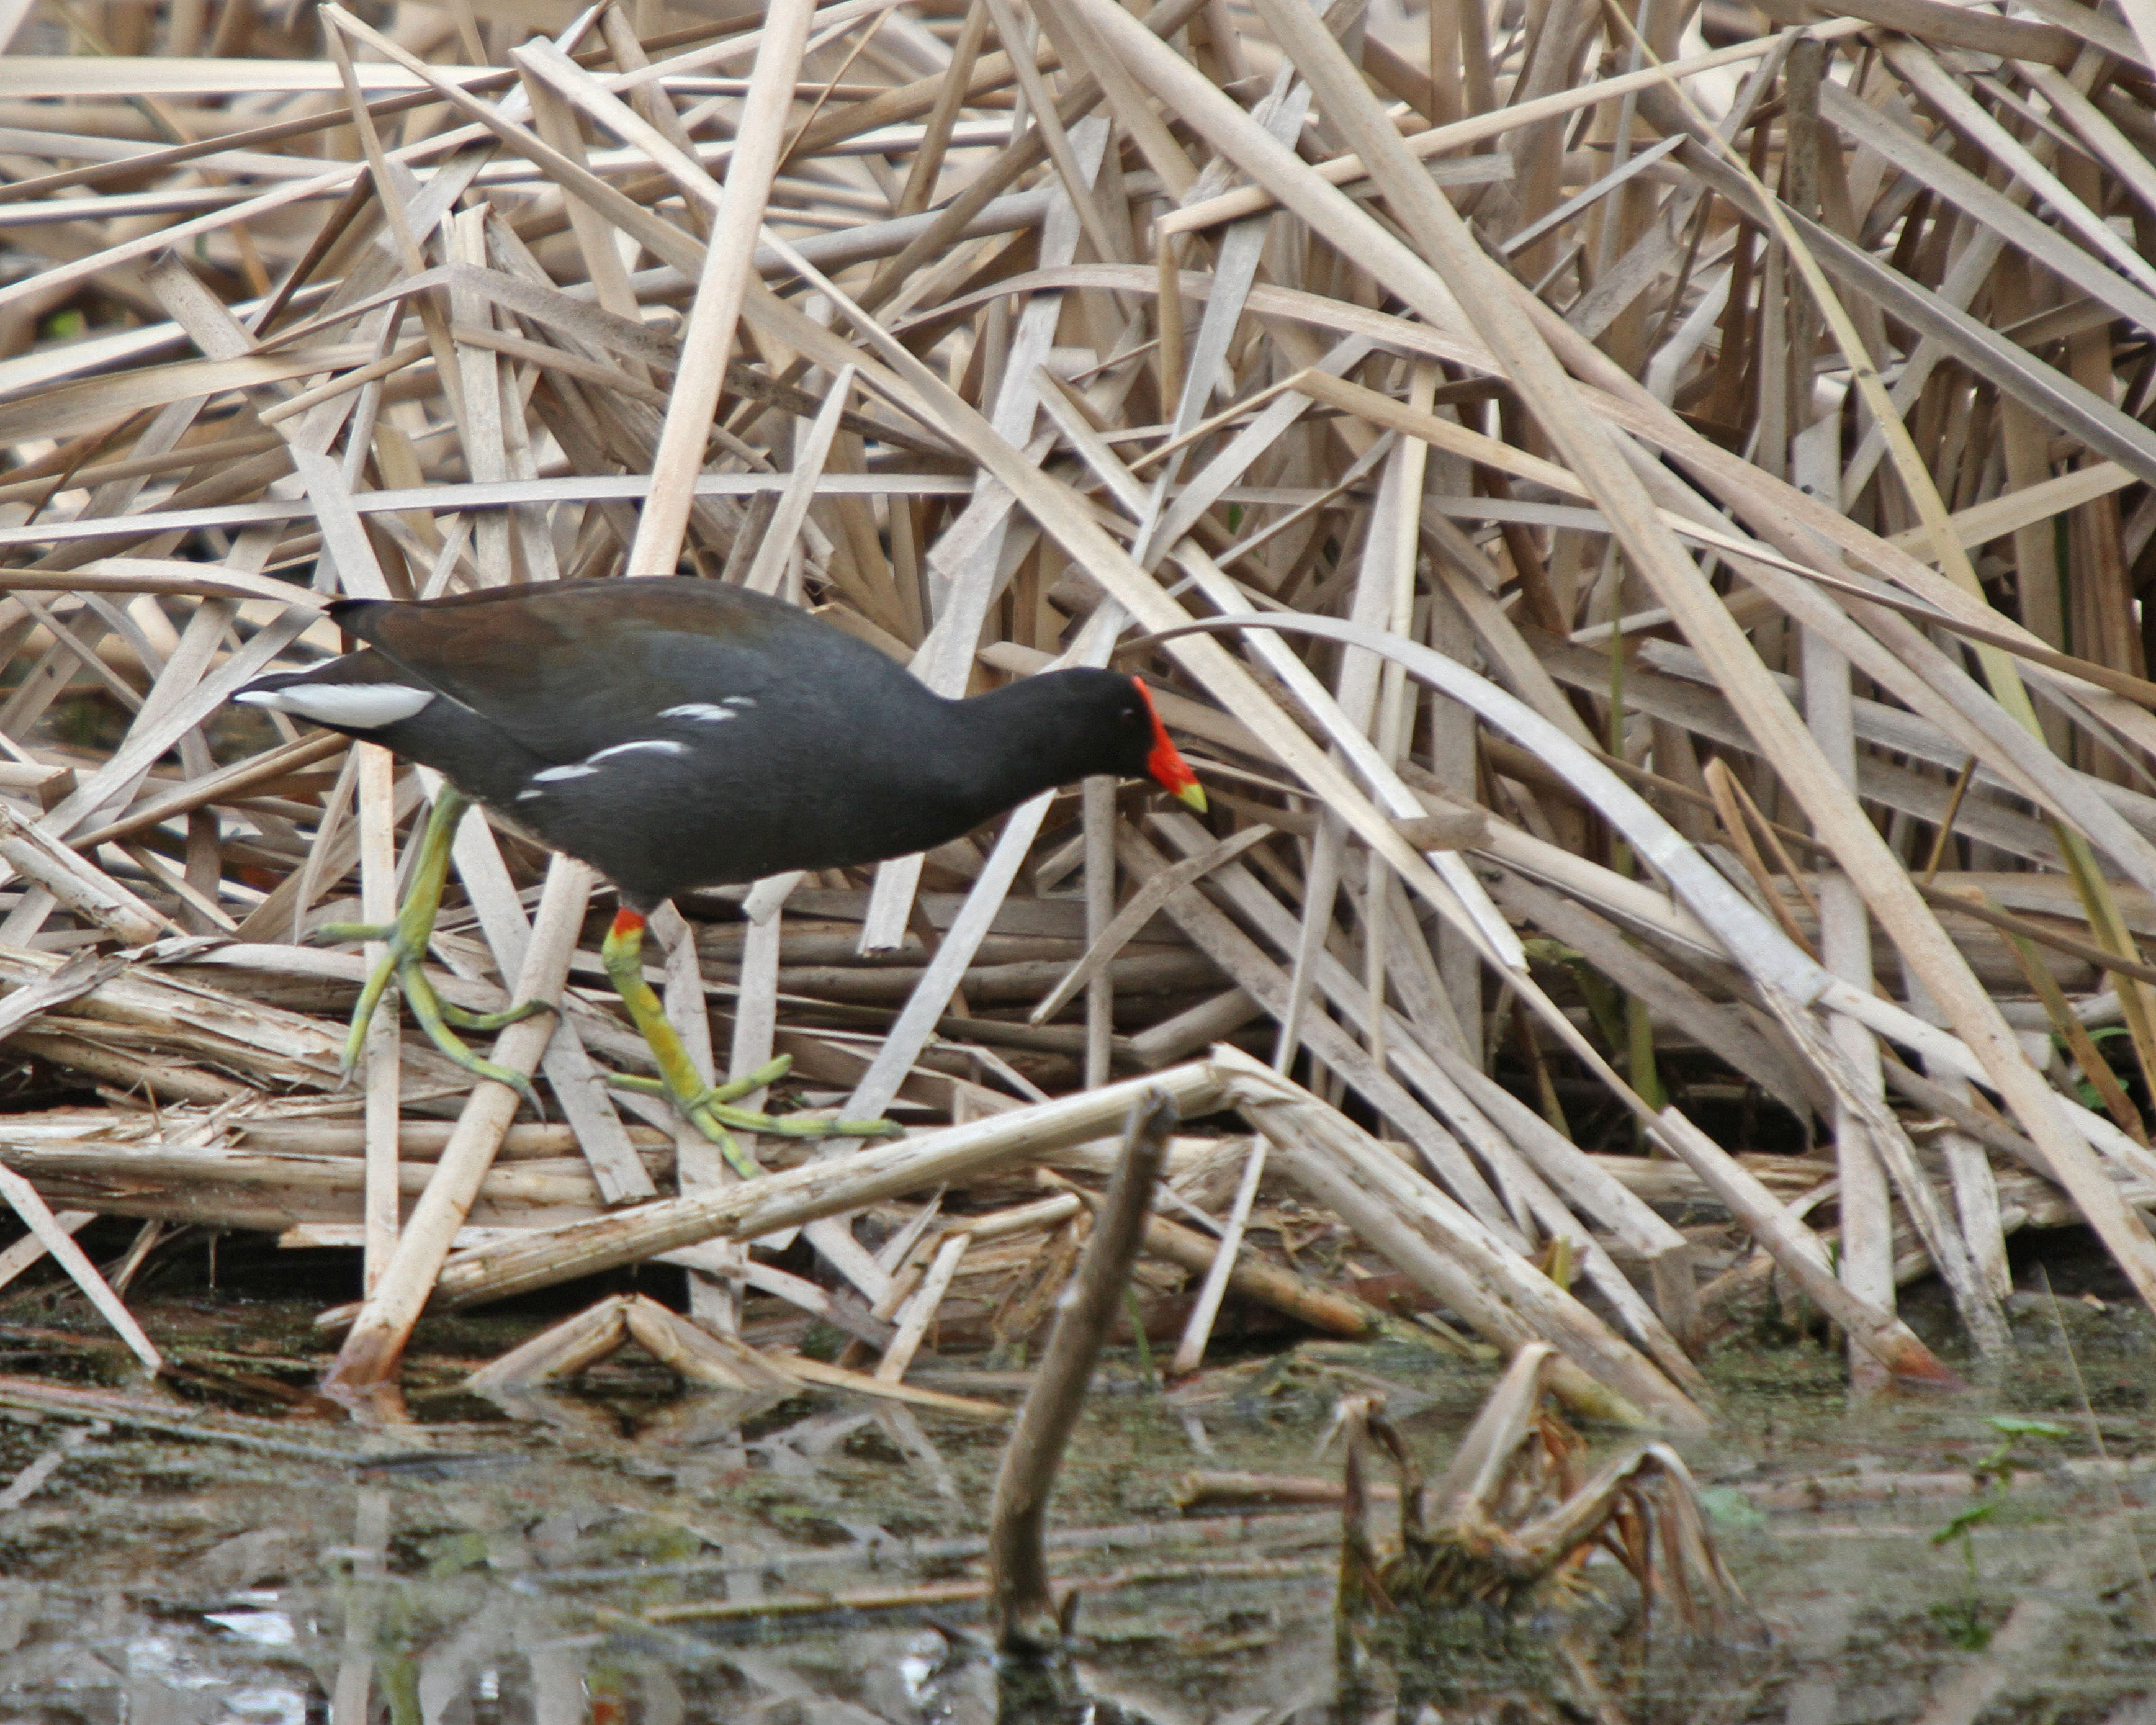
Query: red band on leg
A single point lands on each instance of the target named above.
(627, 921)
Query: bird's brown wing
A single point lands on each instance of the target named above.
(569, 670)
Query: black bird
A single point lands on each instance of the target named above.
(677, 733)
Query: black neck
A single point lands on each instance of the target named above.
(1020, 739)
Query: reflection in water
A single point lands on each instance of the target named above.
(422, 1605)
(429, 1605)
(678, 1560)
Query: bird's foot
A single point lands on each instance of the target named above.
(399, 957)
(434, 1015)
(490, 1021)
(709, 1110)
(707, 1107)
(738, 1158)
(405, 944)
(404, 947)
(404, 965)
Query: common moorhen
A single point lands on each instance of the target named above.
(677, 733)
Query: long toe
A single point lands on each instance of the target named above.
(789, 1126)
(489, 1021)
(430, 1014)
(330, 934)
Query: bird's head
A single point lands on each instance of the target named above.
(1138, 746)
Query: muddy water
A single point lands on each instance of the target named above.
(635, 1554)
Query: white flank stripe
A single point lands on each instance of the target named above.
(701, 710)
(658, 746)
(554, 773)
(362, 706)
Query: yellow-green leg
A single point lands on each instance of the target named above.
(705, 1106)
(407, 939)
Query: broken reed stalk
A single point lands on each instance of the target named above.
(1026, 1621)
(835, 1187)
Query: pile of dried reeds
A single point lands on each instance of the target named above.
(1668, 484)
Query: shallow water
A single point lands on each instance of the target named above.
(641, 1554)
